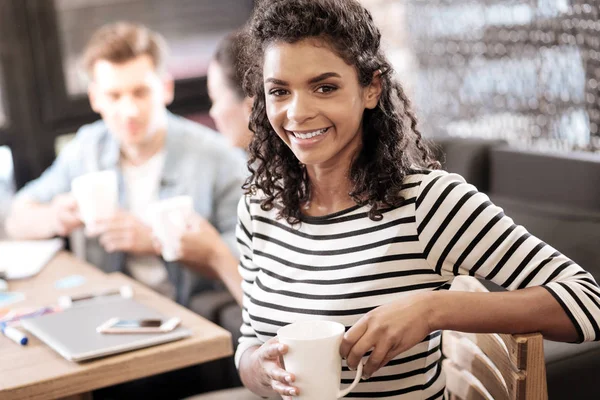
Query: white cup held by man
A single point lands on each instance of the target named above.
(314, 358)
(169, 221)
(97, 196)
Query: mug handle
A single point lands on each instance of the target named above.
(342, 393)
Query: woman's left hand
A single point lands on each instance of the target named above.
(199, 245)
(387, 330)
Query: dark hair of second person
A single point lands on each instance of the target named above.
(230, 108)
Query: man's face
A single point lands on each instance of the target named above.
(131, 97)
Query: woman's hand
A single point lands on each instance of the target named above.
(202, 249)
(267, 372)
(197, 246)
(388, 330)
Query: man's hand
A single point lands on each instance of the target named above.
(66, 214)
(124, 232)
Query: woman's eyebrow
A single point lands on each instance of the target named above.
(316, 79)
(324, 76)
(276, 81)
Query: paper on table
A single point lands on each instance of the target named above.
(24, 258)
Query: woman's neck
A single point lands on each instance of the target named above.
(329, 188)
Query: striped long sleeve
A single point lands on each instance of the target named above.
(248, 271)
(463, 233)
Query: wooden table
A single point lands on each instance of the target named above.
(36, 372)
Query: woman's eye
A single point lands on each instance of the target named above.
(277, 92)
(326, 89)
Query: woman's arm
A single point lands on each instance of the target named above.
(204, 250)
(522, 311)
(396, 327)
(226, 266)
(463, 233)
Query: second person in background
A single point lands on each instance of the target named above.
(230, 111)
(156, 154)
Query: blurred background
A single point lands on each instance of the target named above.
(523, 71)
(507, 90)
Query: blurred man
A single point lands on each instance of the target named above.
(156, 154)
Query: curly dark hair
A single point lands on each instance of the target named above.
(392, 146)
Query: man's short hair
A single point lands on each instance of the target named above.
(121, 42)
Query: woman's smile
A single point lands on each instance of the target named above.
(307, 137)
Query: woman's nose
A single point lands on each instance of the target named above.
(300, 109)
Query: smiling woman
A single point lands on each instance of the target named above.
(347, 219)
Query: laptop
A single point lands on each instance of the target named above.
(72, 332)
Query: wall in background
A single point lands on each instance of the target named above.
(41, 93)
(526, 71)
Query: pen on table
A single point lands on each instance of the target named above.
(13, 334)
(36, 313)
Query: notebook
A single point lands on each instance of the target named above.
(72, 332)
(25, 258)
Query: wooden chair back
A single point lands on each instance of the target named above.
(492, 366)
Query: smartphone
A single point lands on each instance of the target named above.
(117, 325)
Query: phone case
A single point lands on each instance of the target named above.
(168, 326)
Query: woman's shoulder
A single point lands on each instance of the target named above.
(252, 201)
(423, 181)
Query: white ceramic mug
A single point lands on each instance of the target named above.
(314, 358)
(97, 196)
(169, 219)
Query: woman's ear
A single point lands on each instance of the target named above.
(373, 91)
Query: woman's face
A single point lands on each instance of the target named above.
(315, 103)
(230, 114)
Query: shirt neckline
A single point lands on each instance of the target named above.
(309, 218)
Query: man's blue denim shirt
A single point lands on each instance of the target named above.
(198, 162)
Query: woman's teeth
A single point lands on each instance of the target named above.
(309, 135)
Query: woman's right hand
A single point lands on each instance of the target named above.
(266, 369)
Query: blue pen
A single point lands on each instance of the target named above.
(14, 334)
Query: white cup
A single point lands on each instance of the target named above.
(97, 196)
(169, 219)
(314, 358)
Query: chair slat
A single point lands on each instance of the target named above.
(462, 384)
(537, 388)
(517, 361)
(494, 348)
(467, 356)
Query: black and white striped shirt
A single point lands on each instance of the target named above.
(340, 266)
